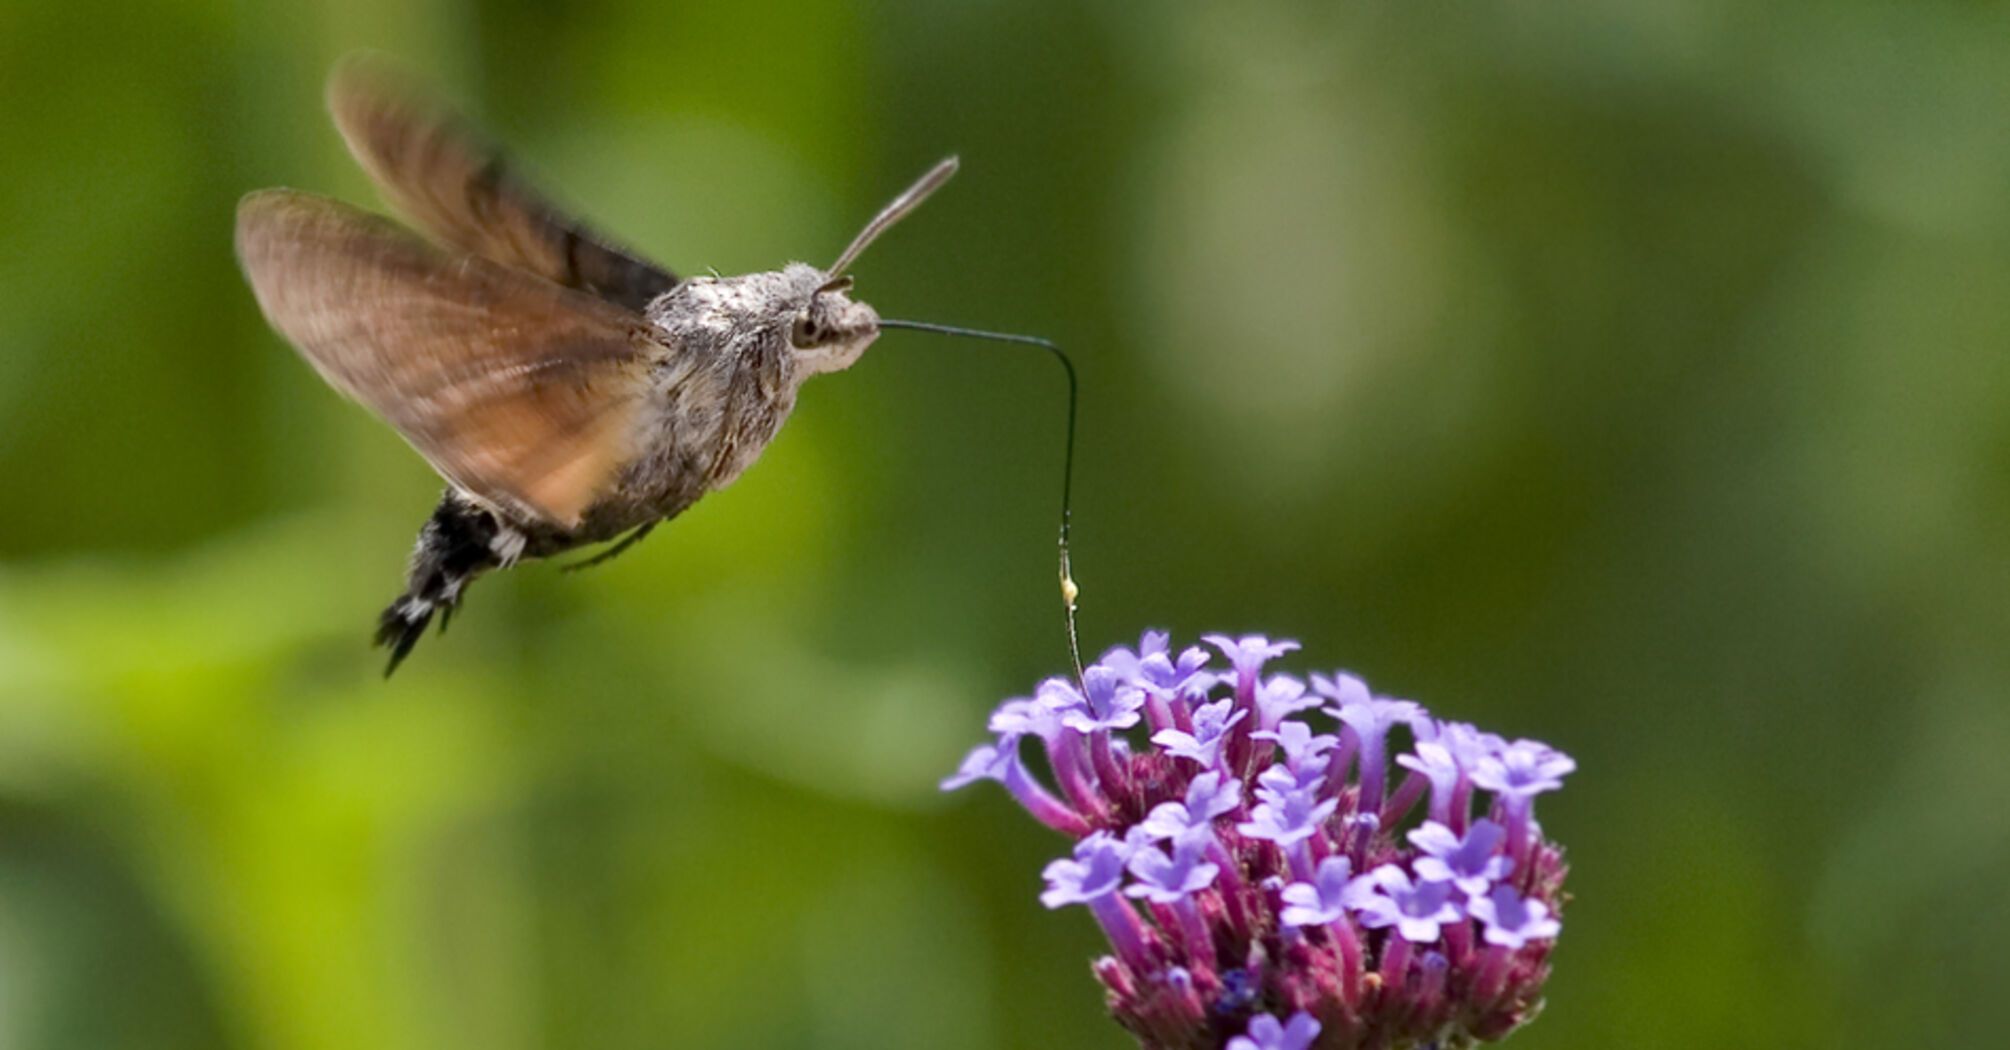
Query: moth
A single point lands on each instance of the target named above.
(569, 391)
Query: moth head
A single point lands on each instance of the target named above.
(829, 330)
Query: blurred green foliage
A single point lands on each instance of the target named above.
(1633, 376)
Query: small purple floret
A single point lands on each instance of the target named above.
(1469, 863)
(1387, 897)
(1523, 770)
(1321, 901)
(1210, 795)
(1211, 725)
(1094, 872)
(1265, 1033)
(1164, 879)
(1287, 817)
(1513, 920)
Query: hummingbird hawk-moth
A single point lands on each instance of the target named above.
(570, 391)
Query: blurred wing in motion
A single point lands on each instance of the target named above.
(455, 185)
(520, 392)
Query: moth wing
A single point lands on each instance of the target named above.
(448, 179)
(522, 393)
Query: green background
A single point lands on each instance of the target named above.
(1632, 376)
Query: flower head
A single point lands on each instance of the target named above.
(1225, 862)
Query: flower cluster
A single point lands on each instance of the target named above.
(1255, 876)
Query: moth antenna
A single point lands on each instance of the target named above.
(909, 200)
(1069, 590)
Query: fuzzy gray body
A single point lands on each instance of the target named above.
(731, 354)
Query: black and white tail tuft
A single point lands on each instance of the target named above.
(456, 545)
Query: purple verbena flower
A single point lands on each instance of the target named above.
(1287, 817)
(1210, 795)
(1104, 702)
(1279, 697)
(1469, 863)
(1164, 878)
(1435, 763)
(1371, 718)
(1095, 871)
(1388, 897)
(1250, 860)
(1303, 749)
(1000, 762)
(1025, 717)
(1265, 1033)
(1250, 652)
(1211, 726)
(1321, 901)
(1523, 770)
(1512, 920)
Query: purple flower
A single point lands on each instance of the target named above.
(1023, 717)
(1304, 750)
(984, 762)
(1468, 745)
(1250, 652)
(1523, 770)
(1387, 897)
(1265, 1033)
(1279, 697)
(1156, 669)
(1246, 862)
(1001, 763)
(1342, 688)
(1164, 879)
(1371, 718)
(1211, 724)
(1435, 763)
(1511, 919)
(1321, 901)
(1470, 863)
(1209, 796)
(1287, 817)
(1094, 872)
(1102, 704)
(1125, 661)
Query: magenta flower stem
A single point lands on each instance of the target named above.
(1492, 975)
(1405, 797)
(1232, 888)
(1044, 807)
(1115, 783)
(1126, 933)
(1395, 964)
(1199, 943)
(1064, 753)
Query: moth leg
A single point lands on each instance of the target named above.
(634, 537)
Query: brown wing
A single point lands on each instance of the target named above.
(454, 184)
(518, 391)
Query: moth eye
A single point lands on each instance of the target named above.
(805, 332)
